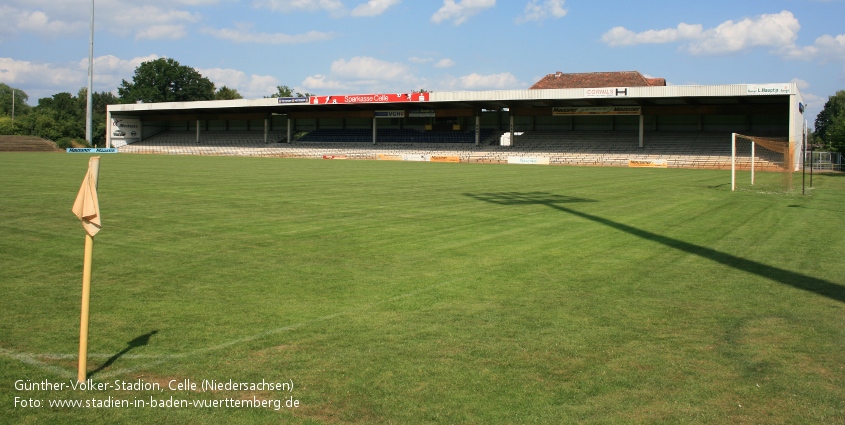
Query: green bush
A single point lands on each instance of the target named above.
(70, 142)
(7, 126)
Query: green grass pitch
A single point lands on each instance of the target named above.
(390, 292)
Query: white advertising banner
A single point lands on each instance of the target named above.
(768, 89)
(125, 129)
(415, 158)
(606, 92)
(597, 110)
(648, 163)
(537, 160)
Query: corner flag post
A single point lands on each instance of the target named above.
(87, 209)
(86, 297)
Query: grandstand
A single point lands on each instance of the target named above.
(607, 119)
(678, 149)
(26, 144)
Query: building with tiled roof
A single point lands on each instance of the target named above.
(560, 80)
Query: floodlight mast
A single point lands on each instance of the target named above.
(89, 112)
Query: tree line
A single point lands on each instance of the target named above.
(61, 117)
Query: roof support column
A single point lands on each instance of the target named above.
(642, 128)
(266, 129)
(510, 114)
(289, 130)
(375, 130)
(198, 131)
(477, 129)
(108, 126)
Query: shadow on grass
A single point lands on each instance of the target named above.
(131, 345)
(796, 280)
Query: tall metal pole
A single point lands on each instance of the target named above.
(13, 104)
(89, 113)
(804, 159)
(812, 148)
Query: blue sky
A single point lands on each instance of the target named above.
(381, 46)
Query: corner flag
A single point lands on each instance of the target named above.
(87, 206)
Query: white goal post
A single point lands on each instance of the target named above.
(774, 154)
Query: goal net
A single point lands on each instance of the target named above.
(761, 163)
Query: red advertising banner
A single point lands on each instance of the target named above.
(368, 98)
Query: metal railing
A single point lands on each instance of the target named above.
(824, 161)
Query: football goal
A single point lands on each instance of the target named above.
(761, 163)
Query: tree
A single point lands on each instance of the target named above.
(165, 80)
(226, 93)
(285, 91)
(830, 123)
(281, 91)
(101, 100)
(836, 135)
(20, 98)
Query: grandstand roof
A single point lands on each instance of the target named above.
(560, 80)
(732, 99)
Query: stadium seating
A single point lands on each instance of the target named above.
(392, 135)
(26, 144)
(611, 148)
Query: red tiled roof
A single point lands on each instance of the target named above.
(560, 80)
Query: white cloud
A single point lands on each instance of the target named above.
(46, 79)
(620, 36)
(14, 21)
(832, 45)
(364, 74)
(766, 31)
(293, 5)
(802, 84)
(24, 72)
(321, 83)
(249, 86)
(444, 63)
(771, 30)
(151, 22)
(160, 32)
(244, 34)
(155, 19)
(368, 68)
(415, 59)
(335, 8)
(112, 64)
(536, 11)
(109, 71)
(778, 32)
(475, 81)
(374, 7)
(826, 48)
(459, 12)
(39, 22)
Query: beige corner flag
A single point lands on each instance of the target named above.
(86, 206)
